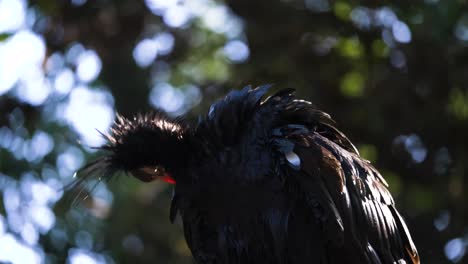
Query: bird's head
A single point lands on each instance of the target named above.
(148, 147)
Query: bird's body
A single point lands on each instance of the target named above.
(267, 181)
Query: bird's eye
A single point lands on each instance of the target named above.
(149, 173)
(159, 171)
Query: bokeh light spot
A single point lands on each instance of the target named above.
(236, 51)
(342, 9)
(386, 17)
(455, 249)
(360, 17)
(42, 217)
(397, 59)
(442, 221)
(29, 234)
(64, 81)
(401, 32)
(33, 88)
(159, 6)
(219, 19)
(12, 15)
(173, 100)
(78, 2)
(88, 66)
(54, 63)
(40, 145)
(461, 28)
(73, 53)
(317, 5)
(165, 96)
(11, 250)
(21, 54)
(69, 161)
(84, 240)
(2, 225)
(176, 16)
(145, 52)
(350, 48)
(88, 110)
(81, 256)
(164, 42)
(352, 84)
(413, 145)
(133, 245)
(458, 103)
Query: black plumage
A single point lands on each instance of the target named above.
(263, 180)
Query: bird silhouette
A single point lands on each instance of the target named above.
(263, 180)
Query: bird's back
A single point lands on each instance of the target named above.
(274, 182)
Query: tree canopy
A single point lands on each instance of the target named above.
(393, 74)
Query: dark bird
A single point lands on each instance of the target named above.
(263, 180)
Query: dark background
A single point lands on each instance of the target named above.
(393, 74)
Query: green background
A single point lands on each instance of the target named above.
(393, 74)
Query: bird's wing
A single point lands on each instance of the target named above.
(344, 191)
(200, 239)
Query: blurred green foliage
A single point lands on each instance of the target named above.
(391, 73)
(458, 103)
(352, 84)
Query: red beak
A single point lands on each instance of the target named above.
(167, 178)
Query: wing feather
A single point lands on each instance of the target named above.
(347, 194)
(357, 207)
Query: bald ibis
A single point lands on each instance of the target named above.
(263, 180)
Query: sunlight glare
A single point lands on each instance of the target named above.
(12, 15)
(88, 110)
(88, 66)
(20, 54)
(11, 250)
